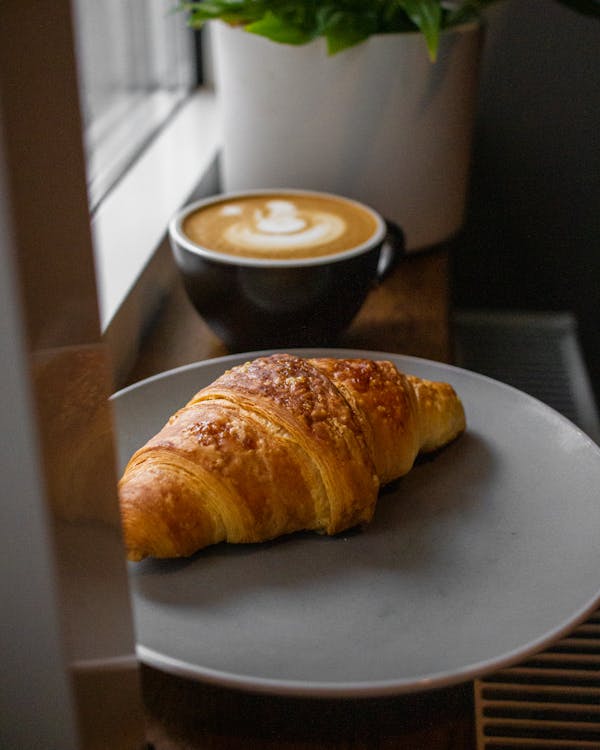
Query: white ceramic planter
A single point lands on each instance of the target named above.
(378, 122)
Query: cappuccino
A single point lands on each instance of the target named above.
(281, 225)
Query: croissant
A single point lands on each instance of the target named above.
(277, 445)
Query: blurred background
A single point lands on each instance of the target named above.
(532, 234)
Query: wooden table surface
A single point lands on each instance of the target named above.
(407, 314)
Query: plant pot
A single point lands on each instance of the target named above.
(378, 122)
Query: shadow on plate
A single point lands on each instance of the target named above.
(408, 534)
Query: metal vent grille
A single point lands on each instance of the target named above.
(551, 701)
(538, 353)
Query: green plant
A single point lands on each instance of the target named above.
(345, 23)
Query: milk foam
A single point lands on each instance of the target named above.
(281, 225)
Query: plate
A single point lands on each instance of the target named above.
(476, 559)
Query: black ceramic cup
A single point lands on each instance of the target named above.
(266, 303)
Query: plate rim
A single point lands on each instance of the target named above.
(364, 688)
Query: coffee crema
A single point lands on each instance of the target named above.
(280, 226)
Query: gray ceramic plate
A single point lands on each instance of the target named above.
(476, 559)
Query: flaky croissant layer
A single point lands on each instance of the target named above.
(277, 445)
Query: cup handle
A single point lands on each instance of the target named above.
(393, 249)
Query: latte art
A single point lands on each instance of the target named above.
(279, 217)
(280, 226)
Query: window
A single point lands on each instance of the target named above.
(151, 138)
(137, 64)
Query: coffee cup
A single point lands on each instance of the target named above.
(281, 268)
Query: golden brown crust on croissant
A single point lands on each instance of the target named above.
(278, 445)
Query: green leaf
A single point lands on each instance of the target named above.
(337, 41)
(393, 18)
(231, 11)
(345, 23)
(427, 17)
(279, 29)
(344, 28)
